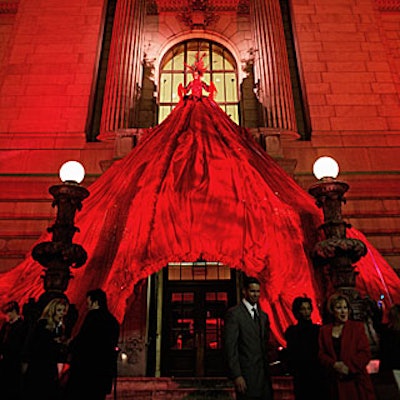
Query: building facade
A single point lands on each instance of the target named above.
(81, 79)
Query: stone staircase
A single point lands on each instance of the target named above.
(146, 388)
(378, 218)
(26, 213)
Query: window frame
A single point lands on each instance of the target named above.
(227, 98)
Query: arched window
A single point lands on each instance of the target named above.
(221, 69)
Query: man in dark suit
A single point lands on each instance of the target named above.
(94, 351)
(246, 338)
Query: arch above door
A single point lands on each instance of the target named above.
(207, 36)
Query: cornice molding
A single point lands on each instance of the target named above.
(8, 8)
(240, 6)
(388, 5)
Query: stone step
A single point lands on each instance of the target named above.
(146, 388)
(377, 222)
(371, 205)
(24, 225)
(8, 262)
(18, 242)
(27, 207)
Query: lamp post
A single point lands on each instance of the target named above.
(59, 255)
(336, 250)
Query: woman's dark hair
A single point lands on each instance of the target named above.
(297, 302)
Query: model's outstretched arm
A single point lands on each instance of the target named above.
(182, 91)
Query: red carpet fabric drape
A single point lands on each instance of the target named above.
(198, 184)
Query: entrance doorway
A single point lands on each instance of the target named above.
(193, 312)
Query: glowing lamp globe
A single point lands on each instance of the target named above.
(72, 171)
(326, 167)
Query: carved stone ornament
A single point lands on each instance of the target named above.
(330, 249)
(151, 7)
(8, 8)
(388, 5)
(132, 347)
(243, 7)
(197, 19)
(59, 254)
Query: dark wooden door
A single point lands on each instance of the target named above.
(193, 327)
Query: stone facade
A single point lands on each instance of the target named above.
(348, 62)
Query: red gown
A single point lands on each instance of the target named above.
(198, 184)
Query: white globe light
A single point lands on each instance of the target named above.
(326, 167)
(72, 171)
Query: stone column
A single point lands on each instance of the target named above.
(124, 71)
(271, 66)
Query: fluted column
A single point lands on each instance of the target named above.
(271, 66)
(124, 71)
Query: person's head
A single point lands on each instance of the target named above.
(96, 299)
(302, 308)
(11, 310)
(339, 307)
(197, 68)
(251, 289)
(394, 317)
(55, 311)
(196, 74)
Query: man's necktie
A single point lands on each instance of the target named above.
(256, 319)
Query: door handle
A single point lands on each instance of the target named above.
(198, 339)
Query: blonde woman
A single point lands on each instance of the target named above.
(344, 352)
(43, 352)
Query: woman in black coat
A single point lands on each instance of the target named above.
(302, 352)
(43, 351)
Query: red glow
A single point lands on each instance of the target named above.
(199, 184)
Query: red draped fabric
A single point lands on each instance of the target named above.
(198, 184)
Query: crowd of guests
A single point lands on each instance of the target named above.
(331, 361)
(328, 361)
(41, 359)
